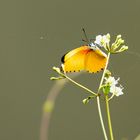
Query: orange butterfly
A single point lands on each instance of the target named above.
(88, 57)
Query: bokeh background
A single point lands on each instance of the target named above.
(34, 34)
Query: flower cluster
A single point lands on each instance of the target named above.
(108, 87)
(103, 41)
(111, 85)
(116, 47)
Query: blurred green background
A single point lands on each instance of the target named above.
(34, 34)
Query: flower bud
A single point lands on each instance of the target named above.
(85, 101)
(57, 78)
(56, 69)
(107, 73)
(119, 36)
(123, 48)
(120, 41)
(108, 36)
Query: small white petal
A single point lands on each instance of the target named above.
(111, 81)
(98, 39)
(105, 39)
(102, 40)
(116, 90)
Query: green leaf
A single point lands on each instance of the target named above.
(106, 90)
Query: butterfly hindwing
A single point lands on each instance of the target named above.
(95, 61)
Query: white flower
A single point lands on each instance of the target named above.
(102, 40)
(111, 81)
(98, 39)
(116, 90)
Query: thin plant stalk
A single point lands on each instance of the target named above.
(47, 109)
(101, 118)
(98, 100)
(49, 106)
(74, 82)
(102, 79)
(80, 85)
(109, 118)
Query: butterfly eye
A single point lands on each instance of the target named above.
(92, 44)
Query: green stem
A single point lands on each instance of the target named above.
(102, 79)
(80, 85)
(68, 78)
(109, 118)
(101, 118)
(98, 100)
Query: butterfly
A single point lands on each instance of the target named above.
(87, 57)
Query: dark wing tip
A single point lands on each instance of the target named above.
(63, 58)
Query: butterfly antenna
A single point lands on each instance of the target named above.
(87, 40)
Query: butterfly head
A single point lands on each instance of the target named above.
(94, 46)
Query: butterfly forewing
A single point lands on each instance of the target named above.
(74, 60)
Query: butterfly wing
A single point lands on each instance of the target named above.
(95, 61)
(74, 60)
